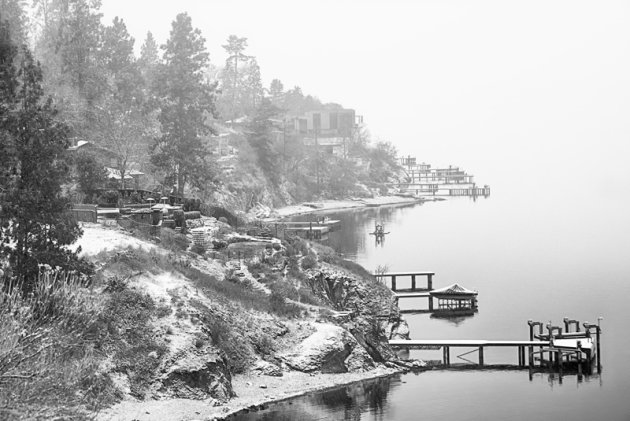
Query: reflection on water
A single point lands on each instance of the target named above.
(345, 403)
(543, 259)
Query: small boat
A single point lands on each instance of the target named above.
(379, 230)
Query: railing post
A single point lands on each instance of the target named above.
(481, 356)
(430, 281)
(393, 282)
(413, 282)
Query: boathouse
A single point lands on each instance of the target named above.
(455, 298)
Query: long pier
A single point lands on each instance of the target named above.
(579, 347)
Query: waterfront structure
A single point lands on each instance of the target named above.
(422, 180)
(455, 298)
(556, 350)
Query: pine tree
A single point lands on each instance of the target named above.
(232, 84)
(35, 226)
(260, 138)
(124, 122)
(13, 12)
(253, 85)
(276, 91)
(149, 60)
(187, 106)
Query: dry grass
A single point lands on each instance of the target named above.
(48, 366)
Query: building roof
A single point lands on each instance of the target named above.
(115, 174)
(453, 290)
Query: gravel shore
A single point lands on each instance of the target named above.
(252, 391)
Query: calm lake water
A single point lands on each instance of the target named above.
(532, 253)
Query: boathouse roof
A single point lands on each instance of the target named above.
(453, 290)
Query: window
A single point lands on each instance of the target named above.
(317, 121)
(334, 121)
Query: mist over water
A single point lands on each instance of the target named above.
(548, 243)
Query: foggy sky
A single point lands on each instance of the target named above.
(492, 86)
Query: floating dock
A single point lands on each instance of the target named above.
(314, 230)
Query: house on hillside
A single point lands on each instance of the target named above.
(325, 123)
(109, 160)
(328, 130)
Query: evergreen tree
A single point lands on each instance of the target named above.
(67, 43)
(35, 227)
(261, 138)
(123, 122)
(276, 91)
(187, 106)
(231, 78)
(253, 85)
(149, 60)
(13, 12)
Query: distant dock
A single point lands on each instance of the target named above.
(313, 230)
(422, 180)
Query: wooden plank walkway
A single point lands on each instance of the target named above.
(412, 294)
(420, 343)
(393, 275)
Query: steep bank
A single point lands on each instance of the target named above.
(222, 332)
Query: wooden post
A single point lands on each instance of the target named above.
(393, 282)
(447, 357)
(481, 356)
(579, 358)
(599, 351)
(430, 281)
(413, 282)
(430, 303)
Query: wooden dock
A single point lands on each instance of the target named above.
(315, 230)
(578, 348)
(453, 300)
(394, 277)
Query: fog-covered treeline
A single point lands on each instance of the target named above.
(171, 113)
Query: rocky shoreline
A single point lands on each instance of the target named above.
(337, 205)
(338, 347)
(253, 392)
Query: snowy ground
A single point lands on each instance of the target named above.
(329, 205)
(252, 391)
(97, 238)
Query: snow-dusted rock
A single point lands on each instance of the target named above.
(326, 350)
(198, 376)
(267, 369)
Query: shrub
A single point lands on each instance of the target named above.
(281, 307)
(309, 262)
(235, 347)
(124, 331)
(46, 363)
(174, 241)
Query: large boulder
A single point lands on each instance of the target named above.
(328, 350)
(198, 375)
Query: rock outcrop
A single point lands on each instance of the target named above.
(331, 349)
(374, 311)
(198, 375)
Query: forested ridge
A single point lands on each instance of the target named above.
(212, 130)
